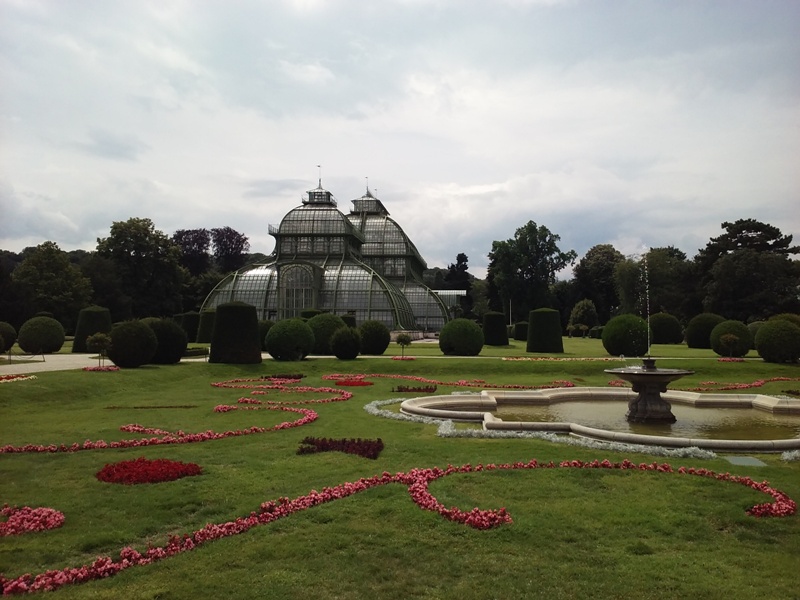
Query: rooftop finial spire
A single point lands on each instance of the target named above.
(367, 178)
(319, 184)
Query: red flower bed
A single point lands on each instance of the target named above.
(471, 383)
(403, 358)
(427, 389)
(366, 448)
(142, 470)
(27, 519)
(107, 369)
(353, 382)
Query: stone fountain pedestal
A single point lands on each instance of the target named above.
(649, 382)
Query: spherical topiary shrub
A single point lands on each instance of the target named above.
(290, 339)
(346, 343)
(91, 320)
(521, 331)
(791, 317)
(309, 313)
(666, 329)
(494, 329)
(9, 335)
(133, 344)
(375, 337)
(349, 320)
(190, 321)
(205, 327)
(172, 341)
(544, 331)
(263, 329)
(698, 331)
(625, 334)
(41, 335)
(324, 325)
(235, 336)
(753, 328)
(778, 341)
(461, 337)
(731, 339)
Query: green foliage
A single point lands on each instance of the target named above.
(190, 321)
(666, 329)
(349, 320)
(494, 329)
(264, 325)
(596, 332)
(594, 276)
(698, 331)
(133, 344)
(91, 320)
(206, 326)
(9, 335)
(346, 343)
(521, 331)
(584, 313)
(309, 313)
(778, 341)
(41, 335)
(235, 337)
(403, 340)
(544, 331)
(375, 338)
(324, 325)
(290, 339)
(731, 338)
(791, 317)
(625, 335)
(753, 328)
(172, 341)
(461, 337)
(100, 343)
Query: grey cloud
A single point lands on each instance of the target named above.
(113, 146)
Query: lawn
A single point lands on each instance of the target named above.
(600, 533)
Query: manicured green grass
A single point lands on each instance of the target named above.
(575, 533)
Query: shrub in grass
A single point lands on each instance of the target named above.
(91, 320)
(324, 325)
(403, 340)
(190, 321)
(754, 327)
(778, 341)
(172, 341)
(544, 331)
(235, 336)
(309, 313)
(791, 317)
(521, 331)
(205, 327)
(461, 337)
(290, 339)
(264, 325)
(698, 331)
(731, 338)
(494, 329)
(666, 329)
(375, 338)
(584, 313)
(346, 343)
(133, 344)
(625, 334)
(41, 335)
(9, 335)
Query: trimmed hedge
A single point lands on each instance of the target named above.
(625, 335)
(235, 336)
(41, 335)
(375, 338)
(791, 317)
(133, 344)
(778, 341)
(172, 341)
(309, 313)
(346, 343)
(9, 335)
(91, 320)
(698, 331)
(205, 327)
(324, 325)
(190, 321)
(754, 327)
(731, 338)
(544, 331)
(263, 329)
(494, 329)
(666, 329)
(461, 337)
(290, 339)
(521, 331)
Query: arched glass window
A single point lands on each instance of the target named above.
(296, 290)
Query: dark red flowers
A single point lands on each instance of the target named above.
(366, 448)
(143, 470)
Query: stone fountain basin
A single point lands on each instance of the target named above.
(478, 408)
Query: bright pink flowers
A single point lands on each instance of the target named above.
(106, 369)
(25, 519)
(142, 470)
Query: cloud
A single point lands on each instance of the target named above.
(114, 146)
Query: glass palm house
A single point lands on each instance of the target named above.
(362, 264)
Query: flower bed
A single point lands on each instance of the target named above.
(403, 358)
(353, 382)
(471, 383)
(106, 369)
(19, 520)
(10, 378)
(426, 389)
(713, 386)
(730, 359)
(142, 470)
(366, 448)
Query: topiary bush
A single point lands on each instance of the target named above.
(494, 329)
(235, 336)
(375, 338)
(206, 326)
(778, 341)
(461, 337)
(41, 335)
(190, 321)
(309, 313)
(324, 325)
(290, 339)
(596, 332)
(521, 331)
(133, 344)
(172, 341)
(754, 327)
(346, 343)
(731, 338)
(698, 331)
(263, 329)
(791, 317)
(9, 335)
(625, 334)
(666, 329)
(349, 320)
(544, 331)
(91, 320)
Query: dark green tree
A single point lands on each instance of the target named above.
(458, 278)
(194, 245)
(594, 278)
(230, 248)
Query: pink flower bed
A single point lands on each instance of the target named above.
(403, 358)
(416, 480)
(353, 382)
(108, 369)
(19, 520)
(471, 383)
(713, 386)
(142, 470)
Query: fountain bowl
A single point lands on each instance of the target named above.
(649, 382)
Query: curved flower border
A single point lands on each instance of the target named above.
(469, 383)
(11, 378)
(417, 482)
(25, 519)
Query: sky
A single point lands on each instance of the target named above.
(640, 123)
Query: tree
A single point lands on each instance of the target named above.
(523, 268)
(194, 245)
(148, 265)
(230, 248)
(107, 286)
(47, 282)
(745, 234)
(458, 278)
(594, 278)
